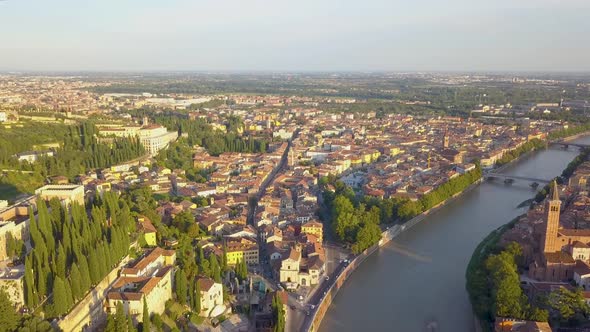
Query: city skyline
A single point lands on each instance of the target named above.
(459, 35)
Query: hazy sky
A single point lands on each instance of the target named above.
(293, 35)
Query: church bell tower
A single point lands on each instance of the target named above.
(553, 209)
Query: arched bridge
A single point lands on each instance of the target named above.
(514, 177)
(568, 144)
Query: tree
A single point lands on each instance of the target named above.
(61, 261)
(30, 290)
(278, 314)
(157, 320)
(146, 324)
(93, 267)
(369, 235)
(241, 270)
(193, 230)
(130, 326)
(215, 269)
(224, 258)
(509, 300)
(111, 325)
(197, 297)
(85, 280)
(8, 316)
(183, 220)
(76, 282)
(120, 319)
(60, 301)
(570, 305)
(181, 286)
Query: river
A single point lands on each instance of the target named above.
(420, 276)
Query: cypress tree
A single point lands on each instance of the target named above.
(101, 259)
(111, 324)
(85, 280)
(69, 296)
(120, 319)
(60, 263)
(224, 258)
(278, 313)
(60, 302)
(180, 281)
(146, 326)
(30, 289)
(130, 326)
(197, 306)
(41, 275)
(191, 294)
(93, 267)
(76, 282)
(108, 260)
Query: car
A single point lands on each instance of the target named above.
(300, 298)
(293, 307)
(327, 277)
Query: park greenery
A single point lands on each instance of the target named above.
(570, 131)
(355, 219)
(200, 133)
(529, 146)
(179, 155)
(493, 283)
(79, 151)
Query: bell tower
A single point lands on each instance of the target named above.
(552, 220)
(445, 140)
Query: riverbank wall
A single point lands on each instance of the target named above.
(314, 321)
(571, 138)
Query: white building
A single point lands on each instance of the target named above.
(33, 156)
(582, 275)
(155, 138)
(3, 117)
(66, 193)
(211, 296)
(150, 278)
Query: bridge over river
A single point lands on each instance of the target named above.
(492, 175)
(567, 144)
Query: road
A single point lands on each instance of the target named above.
(270, 179)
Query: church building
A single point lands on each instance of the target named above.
(559, 248)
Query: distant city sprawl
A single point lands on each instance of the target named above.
(242, 202)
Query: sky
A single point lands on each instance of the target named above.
(295, 35)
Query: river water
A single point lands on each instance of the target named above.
(420, 276)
